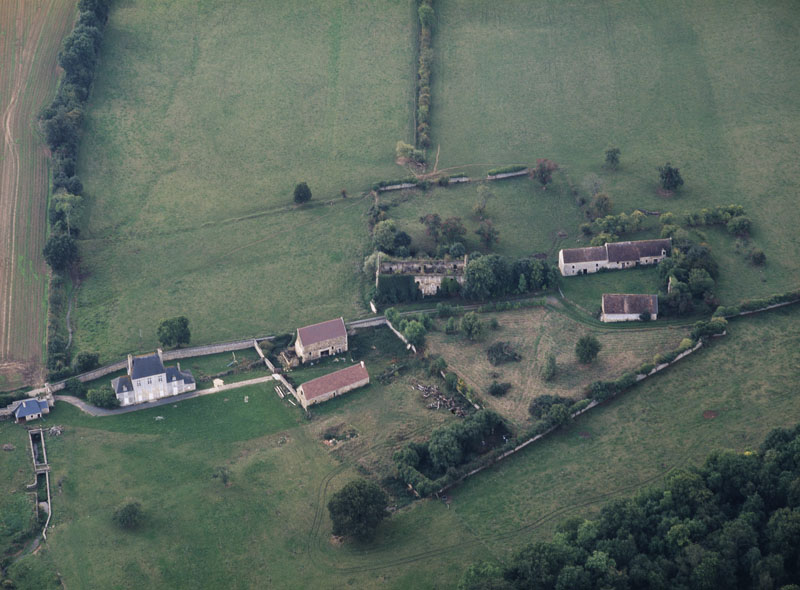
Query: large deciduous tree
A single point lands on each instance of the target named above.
(174, 331)
(587, 349)
(670, 177)
(302, 194)
(357, 509)
(60, 251)
(488, 233)
(453, 230)
(543, 171)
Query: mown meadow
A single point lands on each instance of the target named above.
(202, 120)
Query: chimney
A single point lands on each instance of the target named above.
(130, 364)
(179, 367)
(362, 365)
(160, 355)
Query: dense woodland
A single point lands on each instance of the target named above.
(732, 523)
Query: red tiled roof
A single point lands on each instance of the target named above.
(333, 381)
(634, 304)
(322, 331)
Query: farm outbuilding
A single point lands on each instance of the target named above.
(612, 255)
(324, 388)
(321, 340)
(618, 307)
(31, 409)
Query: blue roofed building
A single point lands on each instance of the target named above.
(31, 409)
(148, 379)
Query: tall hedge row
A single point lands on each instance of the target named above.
(427, 17)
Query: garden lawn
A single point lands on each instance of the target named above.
(537, 333)
(709, 87)
(202, 119)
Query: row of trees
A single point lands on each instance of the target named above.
(732, 523)
(493, 276)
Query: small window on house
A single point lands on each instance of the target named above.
(160, 378)
(139, 382)
(149, 381)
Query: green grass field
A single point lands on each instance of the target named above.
(202, 119)
(707, 87)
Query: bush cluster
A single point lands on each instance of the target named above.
(610, 227)
(431, 465)
(502, 352)
(756, 304)
(396, 289)
(493, 276)
(427, 17)
(384, 183)
(413, 327)
(689, 277)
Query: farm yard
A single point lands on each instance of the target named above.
(266, 525)
(537, 333)
(30, 39)
(201, 120)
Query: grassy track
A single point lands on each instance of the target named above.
(31, 34)
(203, 118)
(707, 87)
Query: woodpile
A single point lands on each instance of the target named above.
(438, 400)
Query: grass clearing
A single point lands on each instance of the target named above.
(708, 89)
(535, 334)
(191, 153)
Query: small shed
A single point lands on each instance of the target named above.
(31, 409)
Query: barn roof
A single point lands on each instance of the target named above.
(633, 251)
(322, 331)
(590, 254)
(618, 303)
(334, 381)
(147, 366)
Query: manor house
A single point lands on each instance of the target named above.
(148, 380)
(576, 261)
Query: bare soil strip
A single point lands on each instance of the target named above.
(33, 31)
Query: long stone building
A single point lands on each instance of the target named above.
(321, 340)
(619, 307)
(149, 380)
(576, 261)
(331, 385)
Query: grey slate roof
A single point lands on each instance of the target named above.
(618, 303)
(122, 384)
(146, 366)
(29, 407)
(173, 374)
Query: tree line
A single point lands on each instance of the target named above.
(732, 523)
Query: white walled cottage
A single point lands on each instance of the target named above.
(613, 255)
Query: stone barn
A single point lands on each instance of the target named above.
(321, 340)
(626, 308)
(149, 380)
(613, 255)
(324, 388)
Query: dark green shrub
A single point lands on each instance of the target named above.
(498, 389)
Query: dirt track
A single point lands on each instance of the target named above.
(30, 37)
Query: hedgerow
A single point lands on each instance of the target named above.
(506, 170)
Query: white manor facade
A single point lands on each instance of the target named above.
(612, 255)
(148, 380)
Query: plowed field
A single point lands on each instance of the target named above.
(30, 36)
